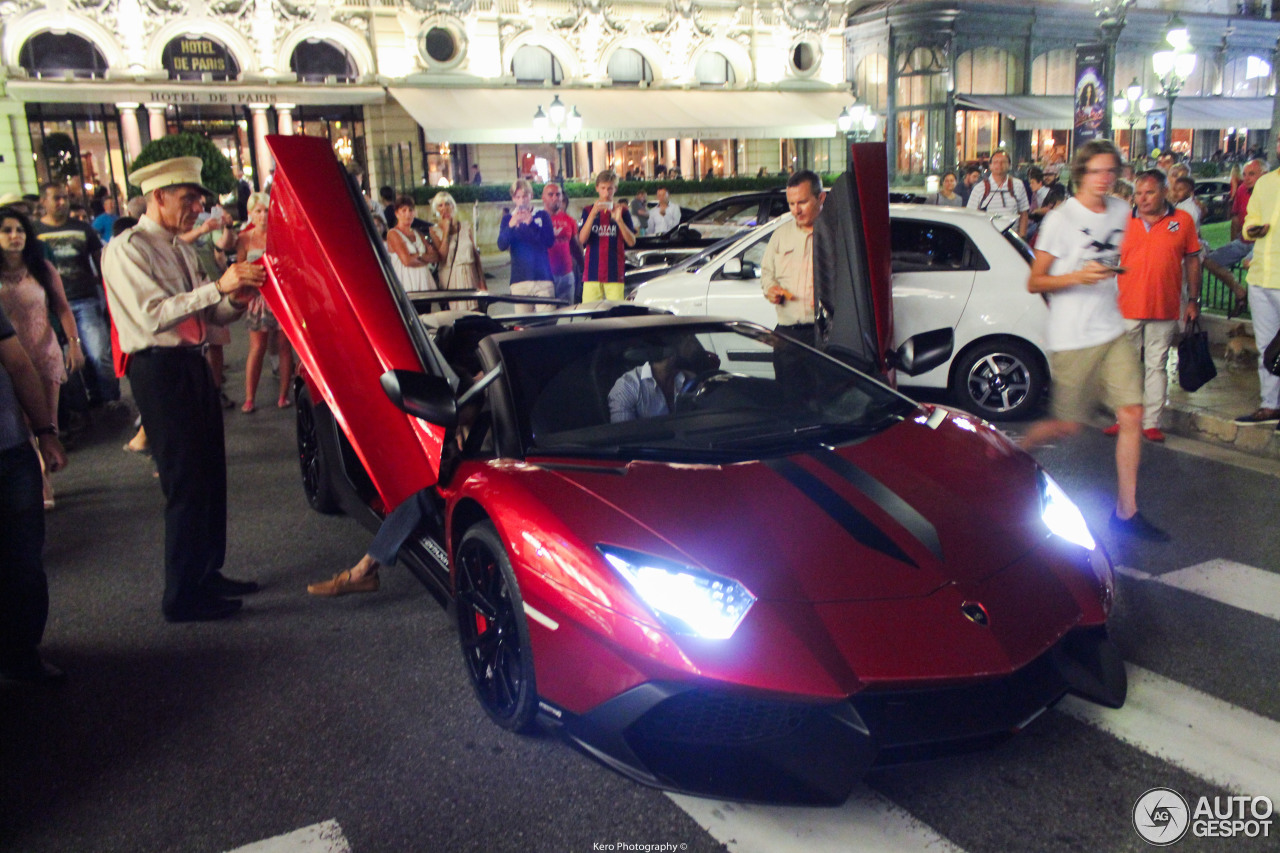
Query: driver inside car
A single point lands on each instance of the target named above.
(670, 371)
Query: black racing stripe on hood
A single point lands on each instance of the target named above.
(841, 511)
(885, 498)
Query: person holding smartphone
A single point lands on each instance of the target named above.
(1090, 358)
(605, 232)
(527, 234)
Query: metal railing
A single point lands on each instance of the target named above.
(1216, 297)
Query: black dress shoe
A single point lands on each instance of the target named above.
(41, 673)
(203, 610)
(220, 585)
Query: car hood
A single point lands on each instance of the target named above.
(894, 516)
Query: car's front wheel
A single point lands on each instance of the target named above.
(1000, 380)
(493, 631)
(316, 483)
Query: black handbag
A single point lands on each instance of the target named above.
(1195, 363)
(1271, 356)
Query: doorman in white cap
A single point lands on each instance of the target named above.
(162, 305)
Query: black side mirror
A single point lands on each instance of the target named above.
(923, 352)
(427, 397)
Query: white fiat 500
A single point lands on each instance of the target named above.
(951, 268)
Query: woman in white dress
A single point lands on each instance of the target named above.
(455, 244)
(411, 254)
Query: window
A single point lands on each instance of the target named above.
(1054, 73)
(53, 55)
(922, 246)
(804, 57)
(988, 71)
(713, 69)
(628, 67)
(315, 60)
(1246, 77)
(871, 79)
(535, 65)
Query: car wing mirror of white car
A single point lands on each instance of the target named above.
(423, 396)
(732, 268)
(923, 352)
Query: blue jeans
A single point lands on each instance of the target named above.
(564, 287)
(1232, 253)
(95, 339)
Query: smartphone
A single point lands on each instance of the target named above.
(1257, 230)
(1114, 268)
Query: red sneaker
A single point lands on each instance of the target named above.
(1112, 430)
(1153, 434)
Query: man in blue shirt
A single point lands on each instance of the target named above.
(103, 222)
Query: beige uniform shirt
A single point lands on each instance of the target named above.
(159, 296)
(788, 262)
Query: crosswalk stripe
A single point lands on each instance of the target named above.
(323, 837)
(1213, 739)
(1236, 584)
(867, 822)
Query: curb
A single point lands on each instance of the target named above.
(1202, 425)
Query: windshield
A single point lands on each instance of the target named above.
(688, 392)
(694, 263)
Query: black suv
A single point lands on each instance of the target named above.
(723, 218)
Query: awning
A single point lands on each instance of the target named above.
(506, 115)
(1031, 112)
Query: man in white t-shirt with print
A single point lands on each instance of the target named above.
(1001, 193)
(1077, 256)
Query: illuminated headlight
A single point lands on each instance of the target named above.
(688, 601)
(1061, 515)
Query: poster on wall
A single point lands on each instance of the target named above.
(1092, 116)
(1157, 131)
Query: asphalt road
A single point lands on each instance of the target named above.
(300, 710)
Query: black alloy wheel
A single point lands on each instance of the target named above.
(493, 631)
(999, 380)
(316, 482)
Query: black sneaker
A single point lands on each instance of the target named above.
(1260, 416)
(1138, 527)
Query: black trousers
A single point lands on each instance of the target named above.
(182, 414)
(24, 589)
(789, 366)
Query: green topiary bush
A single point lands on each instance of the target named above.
(216, 172)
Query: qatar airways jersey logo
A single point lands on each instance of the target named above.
(605, 230)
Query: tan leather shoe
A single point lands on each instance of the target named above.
(343, 584)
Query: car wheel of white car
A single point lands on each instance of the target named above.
(999, 380)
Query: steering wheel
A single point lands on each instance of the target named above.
(700, 387)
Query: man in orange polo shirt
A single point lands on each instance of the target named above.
(1159, 243)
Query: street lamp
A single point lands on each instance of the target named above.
(856, 122)
(563, 119)
(1110, 14)
(1173, 67)
(1131, 107)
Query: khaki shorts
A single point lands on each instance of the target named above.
(1109, 374)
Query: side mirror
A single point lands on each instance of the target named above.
(732, 268)
(923, 352)
(427, 397)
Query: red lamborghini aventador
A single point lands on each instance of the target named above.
(752, 575)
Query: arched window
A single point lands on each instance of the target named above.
(1246, 77)
(1138, 65)
(1054, 73)
(316, 60)
(534, 65)
(628, 67)
(988, 71)
(713, 69)
(191, 57)
(871, 80)
(54, 55)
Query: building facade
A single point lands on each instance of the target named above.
(414, 92)
(959, 79)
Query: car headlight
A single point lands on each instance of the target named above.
(686, 600)
(1061, 515)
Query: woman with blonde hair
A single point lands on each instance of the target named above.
(250, 244)
(455, 242)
